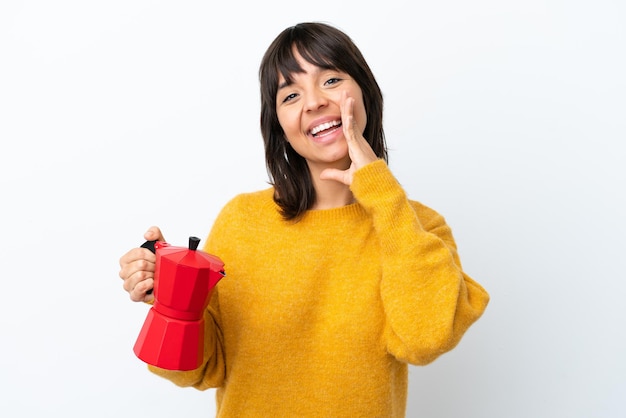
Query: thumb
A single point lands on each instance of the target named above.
(154, 234)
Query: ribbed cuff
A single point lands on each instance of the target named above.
(374, 183)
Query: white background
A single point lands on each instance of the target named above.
(508, 117)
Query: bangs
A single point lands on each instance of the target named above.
(312, 52)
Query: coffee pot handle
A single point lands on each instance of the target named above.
(150, 246)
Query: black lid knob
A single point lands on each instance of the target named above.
(193, 243)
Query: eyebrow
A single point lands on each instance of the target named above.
(287, 83)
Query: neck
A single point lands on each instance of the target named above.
(330, 194)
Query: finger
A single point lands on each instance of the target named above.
(140, 291)
(135, 254)
(135, 273)
(137, 268)
(154, 234)
(360, 150)
(139, 286)
(342, 176)
(148, 297)
(347, 118)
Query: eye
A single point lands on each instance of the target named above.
(332, 80)
(290, 97)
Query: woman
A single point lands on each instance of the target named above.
(336, 281)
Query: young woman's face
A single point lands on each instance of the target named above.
(309, 111)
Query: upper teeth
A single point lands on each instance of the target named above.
(324, 126)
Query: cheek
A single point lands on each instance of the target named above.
(286, 122)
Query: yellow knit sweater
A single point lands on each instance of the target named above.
(319, 318)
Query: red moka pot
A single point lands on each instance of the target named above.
(172, 336)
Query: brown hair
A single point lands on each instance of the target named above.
(329, 48)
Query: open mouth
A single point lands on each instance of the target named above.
(325, 128)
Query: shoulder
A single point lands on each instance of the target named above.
(429, 217)
(423, 210)
(433, 222)
(251, 200)
(238, 215)
(245, 205)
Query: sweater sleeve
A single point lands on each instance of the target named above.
(428, 301)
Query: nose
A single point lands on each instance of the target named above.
(315, 99)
